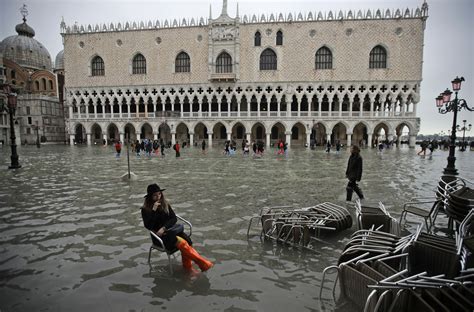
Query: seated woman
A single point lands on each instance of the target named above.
(159, 218)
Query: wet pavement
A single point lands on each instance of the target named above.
(72, 239)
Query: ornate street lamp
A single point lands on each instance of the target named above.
(10, 109)
(463, 129)
(445, 105)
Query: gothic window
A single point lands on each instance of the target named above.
(50, 84)
(37, 85)
(323, 58)
(98, 68)
(224, 63)
(182, 63)
(268, 60)
(43, 83)
(139, 64)
(279, 39)
(378, 57)
(258, 39)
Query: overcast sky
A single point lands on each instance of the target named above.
(449, 34)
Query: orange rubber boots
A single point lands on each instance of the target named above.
(188, 253)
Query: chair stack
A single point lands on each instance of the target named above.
(379, 271)
(299, 227)
(460, 202)
(378, 216)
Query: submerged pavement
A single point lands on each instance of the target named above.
(72, 239)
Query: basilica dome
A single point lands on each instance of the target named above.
(24, 50)
(59, 61)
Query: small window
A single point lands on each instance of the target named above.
(43, 83)
(279, 40)
(139, 64)
(378, 57)
(37, 85)
(13, 74)
(323, 58)
(28, 110)
(268, 60)
(98, 68)
(182, 63)
(224, 63)
(258, 39)
(50, 85)
(29, 120)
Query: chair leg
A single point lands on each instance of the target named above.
(149, 254)
(171, 265)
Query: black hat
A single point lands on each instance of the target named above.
(152, 189)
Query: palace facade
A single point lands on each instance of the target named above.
(348, 76)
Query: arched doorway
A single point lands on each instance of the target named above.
(182, 134)
(319, 134)
(339, 133)
(96, 134)
(238, 131)
(380, 134)
(80, 137)
(277, 133)
(200, 132)
(164, 134)
(258, 133)
(130, 133)
(298, 135)
(146, 132)
(360, 135)
(113, 133)
(219, 133)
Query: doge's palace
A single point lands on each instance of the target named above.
(348, 76)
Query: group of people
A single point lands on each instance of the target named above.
(148, 147)
(329, 145)
(427, 145)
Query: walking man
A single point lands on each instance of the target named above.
(354, 173)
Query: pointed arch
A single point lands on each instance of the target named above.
(257, 39)
(378, 57)
(139, 64)
(323, 58)
(224, 63)
(268, 60)
(97, 66)
(182, 63)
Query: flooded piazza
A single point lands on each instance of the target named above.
(72, 237)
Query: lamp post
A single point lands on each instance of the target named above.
(445, 105)
(38, 145)
(463, 129)
(10, 109)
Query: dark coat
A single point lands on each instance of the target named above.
(354, 168)
(154, 220)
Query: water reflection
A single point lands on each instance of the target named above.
(72, 239)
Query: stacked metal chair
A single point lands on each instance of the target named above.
(460, 199)
(379, 271)
(376, 215)
(300, 227)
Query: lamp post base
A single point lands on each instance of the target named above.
(14, 164)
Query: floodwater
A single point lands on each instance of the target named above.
(72, 239)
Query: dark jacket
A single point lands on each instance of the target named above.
(354, 168)
(154, 220)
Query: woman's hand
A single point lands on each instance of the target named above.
(156, 205)
(161, 231)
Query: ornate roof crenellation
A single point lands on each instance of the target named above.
(378, 14)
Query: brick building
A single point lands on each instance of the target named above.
(27, 68)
